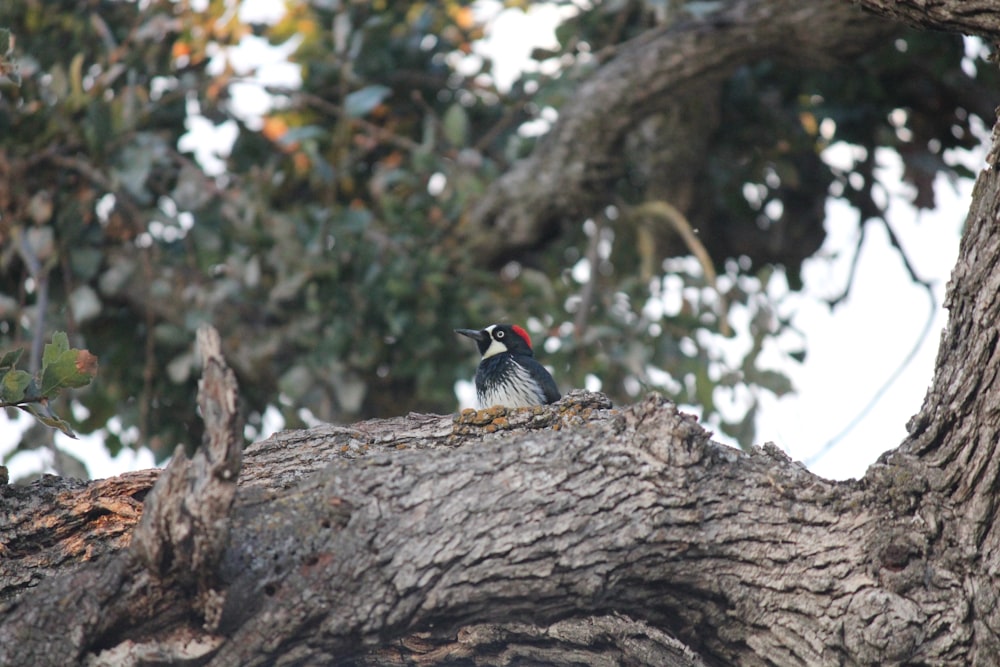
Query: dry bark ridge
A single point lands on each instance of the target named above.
(185, 521)
(568, 534)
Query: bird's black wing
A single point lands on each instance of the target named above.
(545, 381)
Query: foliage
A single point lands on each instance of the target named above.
(62, 367)
(755, 184)
(329, 251)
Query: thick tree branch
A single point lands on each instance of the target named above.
(534, 535)
(61, 523)
(969, 17)
(663, 71)
(560, 514)
(175, 551)
(956, 430)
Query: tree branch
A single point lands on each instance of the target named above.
(955, 430)
(496, 518)
(661, 70)
(968, 17)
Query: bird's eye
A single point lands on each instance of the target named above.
(498, 335)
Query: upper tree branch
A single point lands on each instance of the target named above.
(675, 66)
(969, 17)
(956, 430)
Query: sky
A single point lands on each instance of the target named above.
(851, 351)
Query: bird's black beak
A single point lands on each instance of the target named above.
(476, 335)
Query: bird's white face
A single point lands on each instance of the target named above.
(497, 345)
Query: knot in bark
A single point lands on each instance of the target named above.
(882, 627)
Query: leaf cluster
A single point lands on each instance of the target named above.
(62, 367)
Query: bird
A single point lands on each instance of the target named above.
(508, 373)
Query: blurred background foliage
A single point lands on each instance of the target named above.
(326, 245)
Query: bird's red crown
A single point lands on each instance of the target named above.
(522, 333)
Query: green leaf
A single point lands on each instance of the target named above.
(72, 368)
(303, 133)
(13, 385)
(455, 125)
(42, 413)
(59, 344)
(777, 382)
(9, 359)
(362, 101)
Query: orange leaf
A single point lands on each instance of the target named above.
(274, 128)
(180, 49)
(86, 362)
(464, 18)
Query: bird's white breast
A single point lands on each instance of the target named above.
(517, 389)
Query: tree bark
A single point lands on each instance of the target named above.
(666, 72)
(568, 534)
(531, 533)
(970, 17)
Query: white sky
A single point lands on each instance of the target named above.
(850, 351)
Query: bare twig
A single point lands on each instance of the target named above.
(853, 270)
(40, 273)
(877, 396)
(587, 293)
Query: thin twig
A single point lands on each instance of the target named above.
(877, 396)
(832, 303)
(40, 274)
(587, 293)
(894, 240)
(149, 365)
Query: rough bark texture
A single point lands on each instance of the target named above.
(564, 535)
(953, 441)
(185, 521)
(569, 534)
(971, 17)
(167, 576)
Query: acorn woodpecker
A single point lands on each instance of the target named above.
(508, 374)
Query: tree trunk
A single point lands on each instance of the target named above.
(569, 534)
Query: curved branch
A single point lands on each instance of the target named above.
(663, 68)
(956, 429)
(969, 17)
